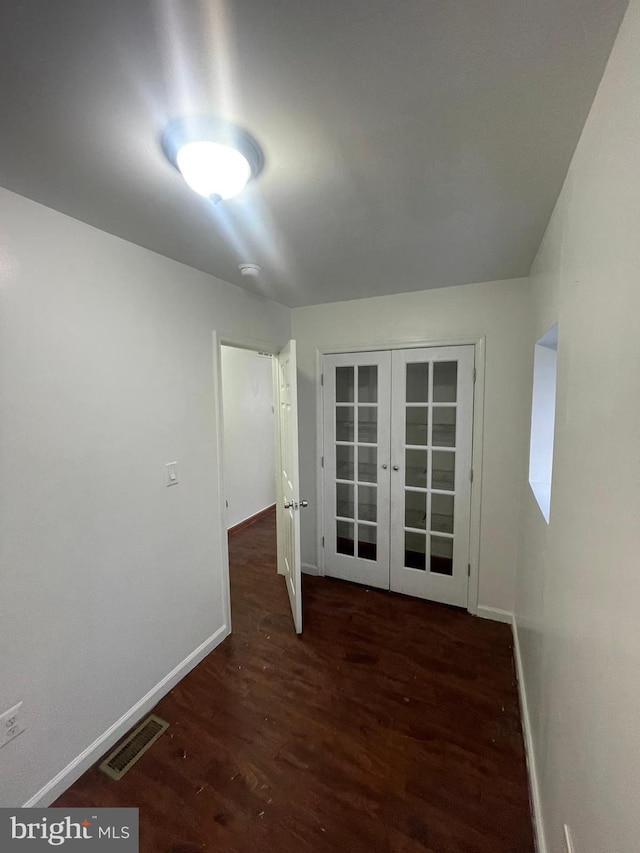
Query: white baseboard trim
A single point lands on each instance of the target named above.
(66, 777)
(308, 569)
(495, 614)
(541, 842)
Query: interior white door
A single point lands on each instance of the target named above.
(356, 466)
(288, 505)
(431, 429)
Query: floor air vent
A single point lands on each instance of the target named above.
(125, 756)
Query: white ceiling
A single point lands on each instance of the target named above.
(408, 144)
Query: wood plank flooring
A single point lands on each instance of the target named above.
(391, 725)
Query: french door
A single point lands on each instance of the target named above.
(397, 469)
(357, 431)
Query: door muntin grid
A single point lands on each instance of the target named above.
(356, 461)
(430, 465)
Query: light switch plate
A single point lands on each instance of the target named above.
(172, 474)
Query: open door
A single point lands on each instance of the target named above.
(288, 502)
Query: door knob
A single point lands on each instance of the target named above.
(396, 467)
(288, 504)
(304, 504)
(384, 465)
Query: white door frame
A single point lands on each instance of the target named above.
(221, 339)
(479, 343)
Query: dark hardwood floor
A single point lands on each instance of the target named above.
(391, 725)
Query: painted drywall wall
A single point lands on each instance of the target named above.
(110, 579)
(578, 590)
(497, 310)
(249, 448)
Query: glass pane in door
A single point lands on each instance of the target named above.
(416, 462)
(367, 464)
(442, 513)
(367, 503)
(418, 382)
(445, 381)
(417, 424)
(443, 470)
(344, 423)
(344, 538)
(367, 545)
(368, 424)
(344, 462)
(441, 560)
(444, 426)
(415, 550)
(344, 384)
(368, 384)
(344, 500)
(415, 509)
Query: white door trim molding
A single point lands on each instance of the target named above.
(478, 437)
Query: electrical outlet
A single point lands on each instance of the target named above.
(568, 843)
(11, 724)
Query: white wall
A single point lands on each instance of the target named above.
(495, 309)
(578, 594)
(109, 579)
(249, 442)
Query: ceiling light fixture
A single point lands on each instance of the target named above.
(215, 157)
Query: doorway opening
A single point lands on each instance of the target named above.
(257, 450)
(248, 409)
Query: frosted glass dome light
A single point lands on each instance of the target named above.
(213, 170)
(215, 157)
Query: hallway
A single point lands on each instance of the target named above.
(391, 725)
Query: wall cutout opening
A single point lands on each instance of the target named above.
(543, 418)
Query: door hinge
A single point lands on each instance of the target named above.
(323, 541)
(468, 570)
(471, 475)
(322, 378)
(474, 376)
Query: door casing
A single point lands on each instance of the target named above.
(479, 343)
